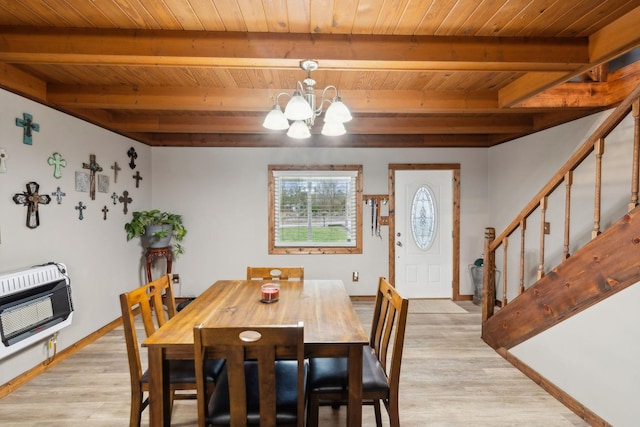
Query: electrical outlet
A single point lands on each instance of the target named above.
(355, 276)
(176, 278)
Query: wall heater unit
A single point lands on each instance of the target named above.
(35, 303)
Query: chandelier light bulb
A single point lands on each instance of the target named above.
(298, 108)
(299, 130)
(337, 112)
(276, 120)
(333, 129)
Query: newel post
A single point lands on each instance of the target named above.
(488, 277)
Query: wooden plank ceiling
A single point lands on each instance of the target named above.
(415, 73)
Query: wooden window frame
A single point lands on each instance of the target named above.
(298, 249)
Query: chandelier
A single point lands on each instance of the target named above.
(301, 110)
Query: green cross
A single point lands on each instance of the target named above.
(57, 162)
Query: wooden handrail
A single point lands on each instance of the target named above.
(593, 144)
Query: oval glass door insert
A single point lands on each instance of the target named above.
(423, 218)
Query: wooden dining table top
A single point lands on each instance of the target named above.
(322, 305)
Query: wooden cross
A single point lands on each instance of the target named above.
(114, 197)
(104, 211)
(138, 178)
(57, 162)
(126, 200)
(3, 158)
(115, 168)
(133, 155)
(80, 208)
(93, 167)
(32, 199)
(26, 123)
(58, 193)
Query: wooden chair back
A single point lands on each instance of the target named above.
(388, 328)
(275, 273)
(382, 360)
(148, 302)
(264, 344)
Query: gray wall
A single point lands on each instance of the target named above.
(101, 263)
(223, 195)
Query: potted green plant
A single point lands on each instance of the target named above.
(157, 229)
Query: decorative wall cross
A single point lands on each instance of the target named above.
(115, 168)
(93, 167)
(104, 211)
(57, 162)
(26, 123)
(3, 160)
(126, 200)
(58, 193)
(31, 199)
(138, 178)
(133, 155)
(80, 208)
(114, 197)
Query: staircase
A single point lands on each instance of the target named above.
(534, 298)
(606, 265)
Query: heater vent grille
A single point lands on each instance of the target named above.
(23, 316)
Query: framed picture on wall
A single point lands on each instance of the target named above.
(103, 183)
(82, 182)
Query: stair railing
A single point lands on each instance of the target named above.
(594, 144)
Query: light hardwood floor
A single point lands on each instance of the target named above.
(450, 377)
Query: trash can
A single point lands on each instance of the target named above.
(476, 271)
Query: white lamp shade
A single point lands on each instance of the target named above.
(276, 120)
(333, 129)
(298, 108)
(298, 130)
(337, 112)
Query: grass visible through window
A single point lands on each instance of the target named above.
(318, 234)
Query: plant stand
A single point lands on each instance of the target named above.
(153, 253)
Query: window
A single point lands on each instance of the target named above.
(315, 209)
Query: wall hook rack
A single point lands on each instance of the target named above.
(375, 201)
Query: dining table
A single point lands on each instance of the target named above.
(331, 329)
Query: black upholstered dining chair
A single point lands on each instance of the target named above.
(264, 378)
(147, 304)
(382, 358)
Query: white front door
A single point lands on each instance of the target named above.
(423, 228)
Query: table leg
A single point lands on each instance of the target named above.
(158, 389)
(354, 409)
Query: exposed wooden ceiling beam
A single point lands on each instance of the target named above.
(15, 80)
(212, 99)
(349, 140)
(611, 41)
(285, 50)
(588, 95)
(360, 125)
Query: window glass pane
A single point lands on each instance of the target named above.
(423, 218)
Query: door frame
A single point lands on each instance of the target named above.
(455, 223)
